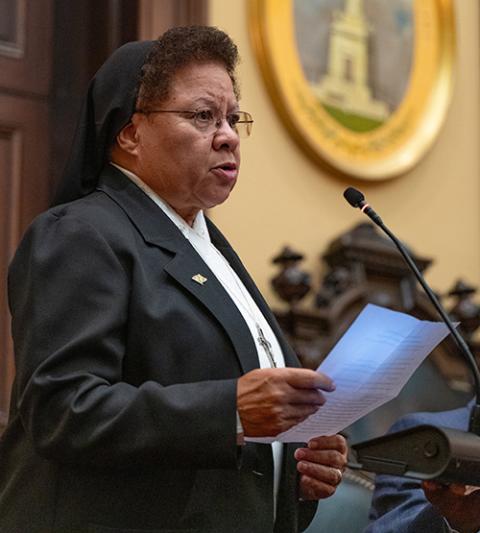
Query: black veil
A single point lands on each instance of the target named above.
(107, 107)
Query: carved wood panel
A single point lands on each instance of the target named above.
(25, 45)
(12, 28)
(363, 266)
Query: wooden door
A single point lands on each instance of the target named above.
(25, 80)
(49, 50)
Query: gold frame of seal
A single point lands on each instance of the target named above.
(403, 137)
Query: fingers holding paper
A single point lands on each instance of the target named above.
(272, 400)
(321, 465)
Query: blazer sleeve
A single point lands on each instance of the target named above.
(69, 298)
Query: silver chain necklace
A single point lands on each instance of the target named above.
(246, 305)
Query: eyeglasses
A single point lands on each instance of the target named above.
(210, 120)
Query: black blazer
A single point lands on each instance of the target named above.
(123, 412)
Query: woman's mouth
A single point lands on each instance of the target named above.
(226, 170)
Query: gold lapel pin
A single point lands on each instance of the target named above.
(199, 279)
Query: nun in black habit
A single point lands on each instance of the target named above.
(137, 370)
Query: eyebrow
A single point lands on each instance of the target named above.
(206, 100)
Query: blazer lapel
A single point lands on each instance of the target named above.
(157, 229)
(183, 267)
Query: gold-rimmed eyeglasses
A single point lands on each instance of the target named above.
(209, 120)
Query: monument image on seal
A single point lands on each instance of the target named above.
(366, 61)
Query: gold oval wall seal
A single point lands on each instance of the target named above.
(362, 85)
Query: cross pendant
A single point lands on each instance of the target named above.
(262, 340)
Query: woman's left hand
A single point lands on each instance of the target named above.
(321, 466)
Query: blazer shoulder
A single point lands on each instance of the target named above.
(96, 208)
(93, 222)
(95, 213)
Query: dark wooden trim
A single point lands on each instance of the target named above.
(156, 17)
(3, 420)
(189, 12)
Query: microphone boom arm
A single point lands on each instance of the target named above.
(356, 199)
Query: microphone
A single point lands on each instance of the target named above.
(412, 452)
(356, 199)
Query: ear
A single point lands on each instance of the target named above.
(127, 139)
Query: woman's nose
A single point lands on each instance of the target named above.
(225, 135)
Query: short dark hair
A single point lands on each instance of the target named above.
(181, 46)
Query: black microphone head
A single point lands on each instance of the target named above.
(353, 197)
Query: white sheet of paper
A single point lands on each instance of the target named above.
(369, 365)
